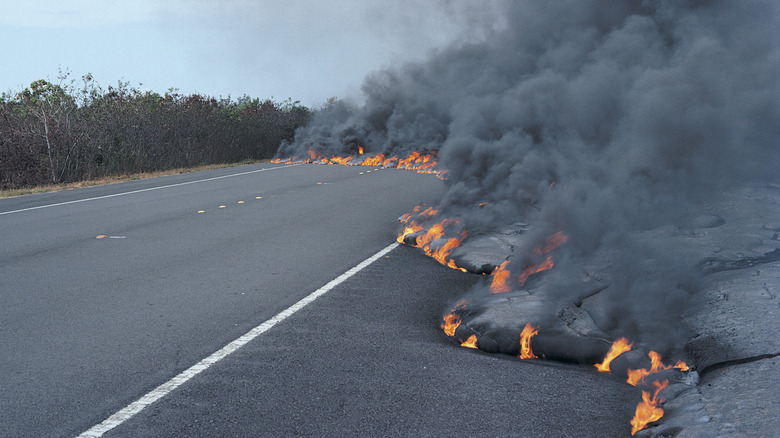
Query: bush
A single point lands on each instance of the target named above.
(56, 133)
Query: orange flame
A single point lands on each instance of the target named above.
(682, 366)
(417, 161)
(442, 253)
(525, 342)
(636, 377)
(648, 411)
(428, 212)
(500, 280)
(471, 342)
(451, 321)
(618, 347)
(436, 231)
(407, 231)
(376, 160)
(450, 324)
(533, 269)
(339, 160)
(552, 243)
(422, 163)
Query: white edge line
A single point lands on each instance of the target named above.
(161, 391)
(148, 189)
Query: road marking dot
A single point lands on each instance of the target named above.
(222, 206)
(286, 166)
(240, 202)
(258, 197)
(201, 211)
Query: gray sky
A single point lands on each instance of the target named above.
(307, 50)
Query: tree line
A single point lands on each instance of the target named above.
(74, 131)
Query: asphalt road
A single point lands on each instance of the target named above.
(89, 324)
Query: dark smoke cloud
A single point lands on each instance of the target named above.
(607, 120)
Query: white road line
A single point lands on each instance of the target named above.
(147, 190)
(161, 391)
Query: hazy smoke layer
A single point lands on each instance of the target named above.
(601, 119)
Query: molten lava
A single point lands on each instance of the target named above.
(525, 342)
(618, 347)
(647, 410)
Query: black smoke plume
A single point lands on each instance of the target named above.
(609, 121)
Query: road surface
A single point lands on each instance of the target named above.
(107, 293)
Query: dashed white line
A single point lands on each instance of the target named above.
(161, 391)
(147, 190)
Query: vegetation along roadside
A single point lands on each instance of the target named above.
(79, 132)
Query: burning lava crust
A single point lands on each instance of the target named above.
(541, 313)
(536, 314)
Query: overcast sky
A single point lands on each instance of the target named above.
(307, 50)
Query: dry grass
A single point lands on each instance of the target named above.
(116, 179)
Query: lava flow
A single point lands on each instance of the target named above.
(421, 163)
(647, 411)
(429, 238)
(423, 237)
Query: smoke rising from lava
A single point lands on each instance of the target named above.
(608, 121)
